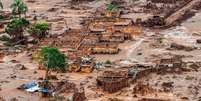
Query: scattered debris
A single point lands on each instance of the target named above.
(30, 87)
(79, 95)
(142, 89)
(181, 47)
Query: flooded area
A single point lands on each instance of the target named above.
(138, 51)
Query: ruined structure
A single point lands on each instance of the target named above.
(113, 81)
(79, 95)
(142, 89)
(82, 64)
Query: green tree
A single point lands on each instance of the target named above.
(52, 59)
(19, 8)
(39, 30)
(16, 27)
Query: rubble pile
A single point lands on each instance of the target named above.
(176, 46)
(172, 64)
(167, 13)
(156, 21)
(142, 89)
(110, 33)
(167, 86)
(113, 81)
(82, 64)
(99, 36)
(1, 55)
(153, 99)
(79, 95)
(79, 1)
(63, 87)
(168, 1)
(114, 99)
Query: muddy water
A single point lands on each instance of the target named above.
(194, 23)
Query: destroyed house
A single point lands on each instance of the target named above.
(105, 48)
(82, 64)
(174, 62)
(113, 81)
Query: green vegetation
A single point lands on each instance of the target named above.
(110, 7)
(16, 27)
(19, 8)
(39, 30)
(108, 62)
(52, 59)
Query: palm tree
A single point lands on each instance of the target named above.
(1, 5)
(19, 7)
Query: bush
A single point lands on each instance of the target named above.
(16, 27)
(108, 62)
(39, 30)
(110, 7)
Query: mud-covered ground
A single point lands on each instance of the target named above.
(146, 48)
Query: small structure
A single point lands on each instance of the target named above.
(105, 48)
(171, 65)
(156, 21)
(83, 64)
(113, 80)
(174, 62)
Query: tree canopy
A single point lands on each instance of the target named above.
(52, 58)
